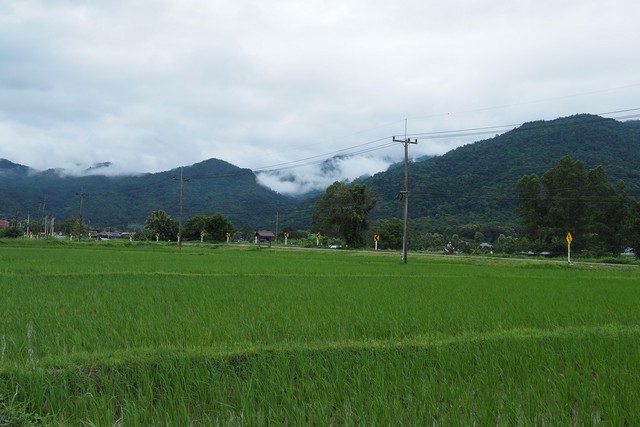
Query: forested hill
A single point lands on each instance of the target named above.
(475, 184)
(211, 186)
(471, 185)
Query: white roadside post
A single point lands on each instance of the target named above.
(569, 240)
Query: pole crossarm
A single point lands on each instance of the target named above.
(406, 140)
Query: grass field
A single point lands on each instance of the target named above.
(141, 334)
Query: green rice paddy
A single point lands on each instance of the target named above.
(142, 334)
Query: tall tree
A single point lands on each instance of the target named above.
(530, 208)
(567, 198)
(610, 211)
(391, 231)
(194, 226)
(73, 226)
(159, 222)
(218, 226)
(215, 226)
(634, 226)
(343, 211)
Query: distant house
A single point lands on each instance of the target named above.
(264, 236)
(4, 223)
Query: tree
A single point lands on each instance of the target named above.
(160, 223)
(391, 231)
(215, 227)
(530, 209)
(610, 211)
(73, 226)
(246, 232)
(568, 198)
(634, 226)
(11, 232)
(194, 226)
(344, 211)
(565, 198)
(218, 226)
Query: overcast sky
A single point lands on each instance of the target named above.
(155, 85)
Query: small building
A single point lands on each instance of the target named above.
(262, 236)
(4, 223)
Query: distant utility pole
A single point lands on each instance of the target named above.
(16, 218)
(81, 194)
(405, 193)
(182, 181)
(41, 220)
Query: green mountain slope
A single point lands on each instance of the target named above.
(476, 183)
(210, 186)
(471, 185)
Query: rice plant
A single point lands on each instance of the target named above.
(146, 335)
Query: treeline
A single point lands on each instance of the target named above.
(601, 217)
(567, 198)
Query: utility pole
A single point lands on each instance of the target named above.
(41, 220)
(16, 219)
(405, 193)
(81, 194)
(182, 181)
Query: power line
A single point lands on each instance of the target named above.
(324, 156)
(457, 133)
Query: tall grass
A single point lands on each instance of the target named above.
(144, 334)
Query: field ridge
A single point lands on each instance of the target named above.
(424, 342)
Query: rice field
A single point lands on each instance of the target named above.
(142, 334)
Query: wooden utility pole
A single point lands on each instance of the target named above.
(81, 228)
(405, 193)
(41, 222)
(182, 181)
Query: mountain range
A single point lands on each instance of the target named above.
(476, 183)
(473, 184)
(124, 202)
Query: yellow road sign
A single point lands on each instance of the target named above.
(569, 238)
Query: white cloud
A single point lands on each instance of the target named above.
(318, 175)
(151, 86)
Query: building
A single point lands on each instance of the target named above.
(264, 236)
